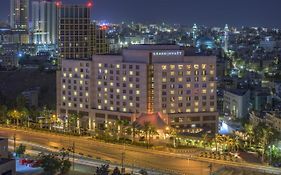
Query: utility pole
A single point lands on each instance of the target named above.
(122, 160)
(14, 142)
(73, 151)
(211, 168)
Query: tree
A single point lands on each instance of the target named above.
(149, 131)
(249, 128)
(103, 170)
(20, 150)
(15, 115)
(55, 162)
(25, 115)
(122, 125)
(116, 171)
(205, 140)
(65, 164)
(50, 163)
(134, 129)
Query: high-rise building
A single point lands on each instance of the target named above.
(144, 79)
(19, 14)
(76, 31)
(44, 21)
(225, 38)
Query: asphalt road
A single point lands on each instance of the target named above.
(139, 157)
(171, 163)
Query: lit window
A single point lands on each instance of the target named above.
(131, 104)
(180, 98)
(204, 79)
(117, 66)
(131, 73)
(212, 109)
(188, 67)
(111, 108)
(124, 97)
(63, 86)
(180, 79)
(64, 74)
(196, 66)
(76, 69)
(180, 67)
(172, 111)
(172, 67)
(187, 110)
(196, 109)
(99, 82)
(105, 89)
(164, 67)
(118, 90)
(212, 90)
(100, 65)
(105, 101)
(196, 104)
(111, 84)
(99, 106)
(82, 76)
(211, 72)
(75, 93)
(69, 104)
(188, 72)
(105, 71)
(172, 73)
(164, 80)
(124, 109)
(81, 82)
(131, 85)
(63, 98)
(172, 92)
(212, 84)
(70, 75)
(204, 91)
(188, 85)
(124, 78)
(137, 92)
(81, 105)
(87, 94)
(164, 111)
(204, 66)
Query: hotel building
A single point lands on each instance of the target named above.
(19, 10)
(144, 79)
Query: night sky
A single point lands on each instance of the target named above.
(207, 12)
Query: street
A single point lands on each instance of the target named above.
(171, 163)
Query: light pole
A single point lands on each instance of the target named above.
(14, 137)
(122, 161)
(73, 151)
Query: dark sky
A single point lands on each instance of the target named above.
(207, 12)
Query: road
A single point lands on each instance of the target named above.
(140, 157)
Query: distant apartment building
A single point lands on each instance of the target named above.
(31, 96)
(78, 36)
(19, 14)
(236, 102)
(7, 165)
(44, 21)
(144, 79)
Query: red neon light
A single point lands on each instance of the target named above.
(90, 4)
(58, 3)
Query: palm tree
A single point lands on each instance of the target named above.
(205, 140)
(249, 128)
(149, 131)
(25, 115)
(122, 125)
(15, 115)
(134, 130)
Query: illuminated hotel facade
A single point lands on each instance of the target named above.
(144, 79)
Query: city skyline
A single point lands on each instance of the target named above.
(251, 13)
